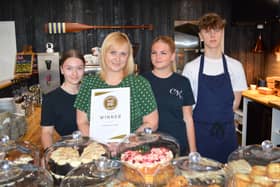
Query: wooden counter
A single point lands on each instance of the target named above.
(269, 101)
(4, 84)
(33, 132)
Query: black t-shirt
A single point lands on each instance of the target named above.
(172, 94)
(58, 111)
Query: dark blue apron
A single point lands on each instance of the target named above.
(213, 115)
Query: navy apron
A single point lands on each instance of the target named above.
(213, 115)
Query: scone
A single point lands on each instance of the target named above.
(242, 180)
(258, 170)
(262, 180)
(177, 181)
(273, 170)
(124, 184)
(239, 166)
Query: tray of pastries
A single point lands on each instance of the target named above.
(71, 152)
(255, 165)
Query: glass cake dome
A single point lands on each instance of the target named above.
(195, 170)
(146, 158)
(255, 165)
(146, 140)
(71, 152)
(19, 152)
(23, 175)
(97, 173)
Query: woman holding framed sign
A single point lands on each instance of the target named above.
(117, 67)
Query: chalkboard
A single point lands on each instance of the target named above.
(24, 63)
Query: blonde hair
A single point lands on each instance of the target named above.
(170, 42)
(117, 38)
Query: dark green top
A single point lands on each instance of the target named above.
(142, 100)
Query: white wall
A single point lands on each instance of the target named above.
(8, 50)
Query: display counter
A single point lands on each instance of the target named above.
(272, 119)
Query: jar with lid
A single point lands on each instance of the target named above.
(70, 152)
(146, 158)
(19, 152)
(255, 165)
(23, 175)
(198, 171)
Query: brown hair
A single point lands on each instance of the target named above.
(71, 53)
(117, 38)
(211, 21)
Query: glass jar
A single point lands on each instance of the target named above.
(255, 165)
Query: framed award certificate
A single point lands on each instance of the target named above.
(110, 114)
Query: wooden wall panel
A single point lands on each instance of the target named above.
(31, 15)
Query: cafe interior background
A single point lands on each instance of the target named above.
(251, 34)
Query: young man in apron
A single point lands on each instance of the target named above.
(217, 81)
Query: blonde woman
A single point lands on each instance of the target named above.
(117, 67)
(173, 94)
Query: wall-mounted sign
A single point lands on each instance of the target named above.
(24, 63)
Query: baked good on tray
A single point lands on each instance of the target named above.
(273, 171)
(63, 159)
(124, 184)
(258, 175)
(262, 165)
(149, 167)
(177, 181)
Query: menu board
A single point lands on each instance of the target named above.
(24, 63)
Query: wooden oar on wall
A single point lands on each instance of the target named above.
(65, 27)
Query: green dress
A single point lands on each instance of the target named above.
(142, 100)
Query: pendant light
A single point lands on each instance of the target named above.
(259, 46)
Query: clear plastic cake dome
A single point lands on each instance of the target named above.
(255, 165)
(71, 152)
(19, 152)
(195, 170)
(146, 158)
(23, 175)
(100, 172)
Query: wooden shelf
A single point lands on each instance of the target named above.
(4, 84)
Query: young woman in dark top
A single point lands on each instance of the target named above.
(173, 94)
(58, 112)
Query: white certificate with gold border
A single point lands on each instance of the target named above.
(110, 114)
